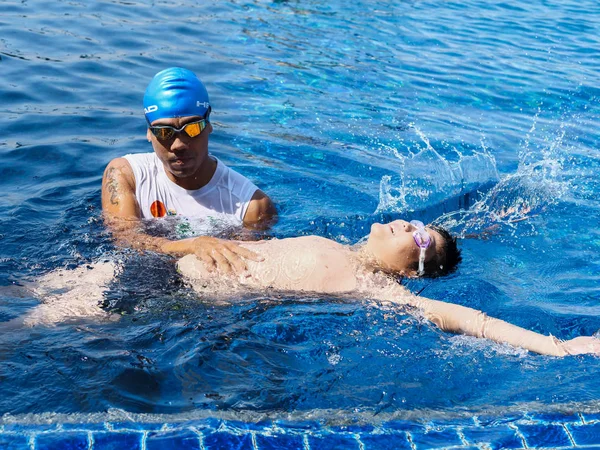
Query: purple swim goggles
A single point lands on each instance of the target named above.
(421, 236)
(423, 240)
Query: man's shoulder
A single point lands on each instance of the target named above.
(139, 158)
(140, 165)
(120, 164)
(118, 168)
(226, 175)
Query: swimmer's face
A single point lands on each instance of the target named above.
(182, 156)
(395, 249)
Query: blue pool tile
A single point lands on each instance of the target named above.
(30, 428)
(62, 441)
(200, 425)
(175, 440)
(501, 436)
(248, 426)
(585, 434)
(555, 417)
(593, 417)
(454, 422)
(137, 426)
(545, 436)
(491, 420)
(353, 428)
(117, 441)
(279, 442)
(84, 426)
(397, 441)
(402, 425)
(333, 442)
(300, 426)
(13, 441)
(436, 438)
(220, 441)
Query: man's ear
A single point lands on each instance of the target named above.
(148, 134)
(209, 127)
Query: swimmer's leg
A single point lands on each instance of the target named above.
(70, 294)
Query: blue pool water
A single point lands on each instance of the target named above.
(483, 115)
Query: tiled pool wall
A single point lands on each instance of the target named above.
(527, 430)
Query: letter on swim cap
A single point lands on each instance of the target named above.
(175, 92)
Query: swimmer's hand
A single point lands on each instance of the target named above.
(582, 345)
(225, 256)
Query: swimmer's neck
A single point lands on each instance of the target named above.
(365, 260)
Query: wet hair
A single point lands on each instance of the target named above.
(446, 261)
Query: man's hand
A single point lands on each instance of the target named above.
(224, 256)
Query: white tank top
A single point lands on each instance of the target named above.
(224, 198)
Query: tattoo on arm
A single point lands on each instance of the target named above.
(112, 185)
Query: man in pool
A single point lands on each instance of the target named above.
(180, 178)
(312, 264)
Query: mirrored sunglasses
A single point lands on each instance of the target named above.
(166, 132)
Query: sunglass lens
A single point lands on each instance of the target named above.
(164, 134)
(194, 129)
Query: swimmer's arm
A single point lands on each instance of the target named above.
(261, 213)
(122, 215)
(460, 319)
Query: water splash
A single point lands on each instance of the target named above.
(539, 182)
(427, 178)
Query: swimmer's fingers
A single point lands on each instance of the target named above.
(207, 249)
(244, 252)
(235, 261)
(204, 256)
(226, 256)
(582, 345)
(222, 263)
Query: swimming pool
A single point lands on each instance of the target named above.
(344, 113)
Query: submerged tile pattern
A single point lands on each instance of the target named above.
(550, 431)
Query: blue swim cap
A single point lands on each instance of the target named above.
(175, 92)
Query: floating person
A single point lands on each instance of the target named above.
(313, 264)
(181, 178)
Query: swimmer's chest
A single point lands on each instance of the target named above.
(305, 264)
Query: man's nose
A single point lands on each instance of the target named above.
(179, 143)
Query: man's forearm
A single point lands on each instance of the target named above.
(126, 233)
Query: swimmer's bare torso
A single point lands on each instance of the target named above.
(308, 263)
